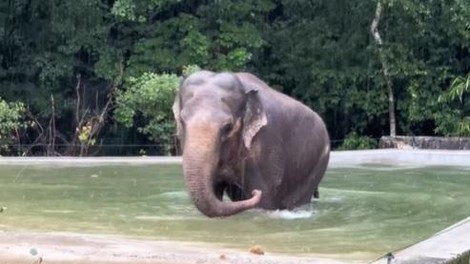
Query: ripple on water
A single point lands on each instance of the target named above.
(173, 194)
(58, 211)
(373, 167)
(157, 218)
(294, 214)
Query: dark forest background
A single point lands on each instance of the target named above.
(91, 77)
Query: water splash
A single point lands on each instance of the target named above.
(295, 214)
(58, 211)
(158, 218)
(173, 195)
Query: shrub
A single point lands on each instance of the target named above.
(11, 120)
(353, 141)
(151, 96)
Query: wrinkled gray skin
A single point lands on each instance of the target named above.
(240, 137)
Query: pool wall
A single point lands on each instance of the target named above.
(401, 157)
(337, 159)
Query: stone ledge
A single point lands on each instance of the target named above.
(421, 142)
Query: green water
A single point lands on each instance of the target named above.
(362, 212)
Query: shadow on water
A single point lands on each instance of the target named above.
(362, 211)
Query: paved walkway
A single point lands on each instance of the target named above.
(72, 248)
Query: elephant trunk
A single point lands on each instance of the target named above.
(200, 160)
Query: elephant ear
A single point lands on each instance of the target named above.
(255, 117)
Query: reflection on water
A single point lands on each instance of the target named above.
(362, 212)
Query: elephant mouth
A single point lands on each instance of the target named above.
(231, 190)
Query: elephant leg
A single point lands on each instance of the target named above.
(219, 190)
(307, 190)
(316, 193)
(303, 193)
(299, 197)
(235, 193)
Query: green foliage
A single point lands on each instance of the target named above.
(321, 55)
(320, 52)
(11, 120)
(425, 62)
(189, 69)
(85, 136)
(457, 89)
(131, 10)
(45, 46)
(456, 121)
(151, 96)
(354, 141)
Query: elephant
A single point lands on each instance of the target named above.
(241, 138)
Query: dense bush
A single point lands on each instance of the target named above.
(354, 141)
(11, 121)
(150, 95)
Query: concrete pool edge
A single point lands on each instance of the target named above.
(439, 248)
(338, 159)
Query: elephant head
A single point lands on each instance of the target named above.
(217, 118)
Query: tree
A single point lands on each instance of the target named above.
(426, 48)
(374, 29)
(49, 52)
(320, 53)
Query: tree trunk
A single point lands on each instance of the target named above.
(374, 29)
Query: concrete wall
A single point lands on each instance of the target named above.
(337, 159)
(411, 157)
(405, 142)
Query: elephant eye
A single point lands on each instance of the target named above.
(227, 129)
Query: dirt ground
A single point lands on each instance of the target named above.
(71, 248)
